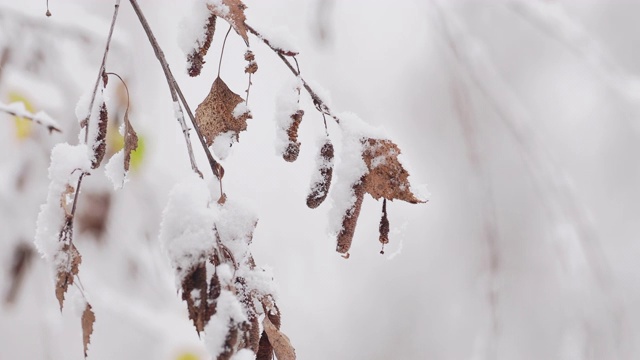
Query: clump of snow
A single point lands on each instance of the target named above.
(68, 162)
(222, 144)
(186, 231)
(229, 312)
(241, 109)
(350, 167)
(244, 354)
(18, 109)
(280, 37)
(287, 104)
(235, 224)
(192, 30)
(220, 7)
(115, 170)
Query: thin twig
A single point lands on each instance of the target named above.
(101, 71)
(317, 101)
(176, 93)
(224, 43)
(33, 117)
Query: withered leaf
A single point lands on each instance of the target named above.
(195, 291)
(280, 342)
(196, 57)
(387, 178)
(320, 189)
(100, 146)
(130, 140)
(234, 16)
(64, 199)
(265, 350)
(22, 256)
(65, 274)
(214, 115)
(88, 318)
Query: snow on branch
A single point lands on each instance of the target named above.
(19, 110)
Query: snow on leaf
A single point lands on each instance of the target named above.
(70, 259)
(288, 117)
(233, 12)
(204, 31)
(88, 318)
(186, 231)
(215, 115)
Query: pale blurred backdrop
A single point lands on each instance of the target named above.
(523, 117)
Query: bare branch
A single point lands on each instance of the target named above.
(17, 109)
(317, 101)
(176, 93)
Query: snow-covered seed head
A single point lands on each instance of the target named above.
(196, 57)
(350, 219)
(293, 148)
(320, 188)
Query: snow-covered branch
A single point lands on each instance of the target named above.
(19, 110)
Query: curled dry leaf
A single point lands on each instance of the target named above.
(293, 147)
(320, 188)
(233, 12)
(265, 350)
(280, 342)
(22, 256)
(214, 115)
(130, 140)
(88, 318)
(196, 57)
(100, 146)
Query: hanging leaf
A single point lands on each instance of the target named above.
(233, 12)
(66, 273)
(196, 57)
(215, 115)
(387, 178)
(88, 318)
(22, 256)
(195, 292)
(280, 342)
(130, 140)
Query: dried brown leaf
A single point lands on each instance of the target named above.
(94, 214)
(130, 140)
(196, 57)
(233, 13)
(195, 292)
(265, 349)
(88, 318)
(100, 146)
(64, 199)
(65, 274)
(22, 256)
(214, 115)
(280, 342)
(387, 178)
(320, 189)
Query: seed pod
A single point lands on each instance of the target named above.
(196, 57)
(252, 65)
(320, 187)
(384, 226)
(293, 148)
(350, 219)
(100, 145)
